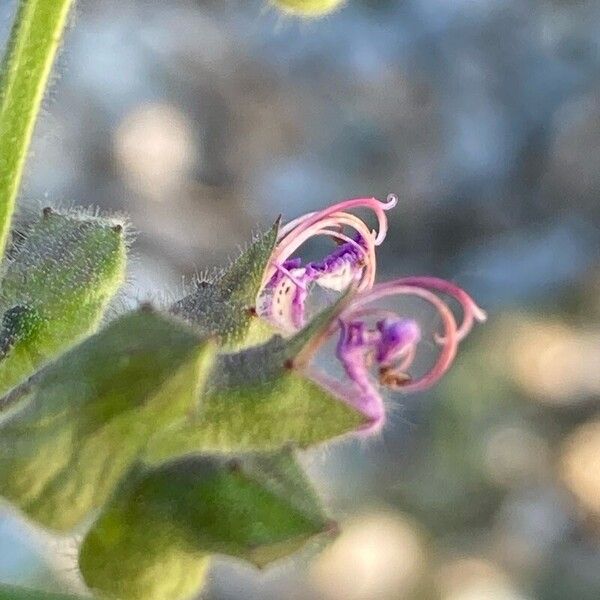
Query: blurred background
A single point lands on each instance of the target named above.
(203, 120)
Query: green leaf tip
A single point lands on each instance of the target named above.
(56, 288)
(225, 305)
(153, 538)
(308, 8)
(87, 417)
(242, 280)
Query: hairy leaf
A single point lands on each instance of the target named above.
(153, 538)
(225, 306)
(30, 53)
(86, 418)
(55, 289)
(257, 399)
(10, 592)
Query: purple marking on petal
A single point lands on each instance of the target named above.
(340, 268)
(283, 299)
(292, 263)
(352, 252)
(354, 346)
(396, 335)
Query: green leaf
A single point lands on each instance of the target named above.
(10, 592)
(258, 508)
(133, 554)
(257, 400)
(55, 289)
(259, 415)
(242, 280)
(225, 306)
(31, 51)
(86, 418)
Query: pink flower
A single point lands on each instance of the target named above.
(288, 281)
(375, 347)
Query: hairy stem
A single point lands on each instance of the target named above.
(32, 47)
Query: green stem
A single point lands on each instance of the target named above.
(31, 50)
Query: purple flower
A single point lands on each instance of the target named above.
(288, 281)
(375, 347)
(382, 354)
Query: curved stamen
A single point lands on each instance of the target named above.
(296, 232)
(368, 276)
(391, 346)
(471, 311)
(288, 245)
(375, 205)
(450, 338)
(354, 260)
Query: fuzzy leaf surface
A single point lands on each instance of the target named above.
(254, 401)
(30, 53)
(85, 419)
(223, 306)
(154, 536)
(55, 290)
(10, 592)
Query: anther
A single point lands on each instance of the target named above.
(388, 377)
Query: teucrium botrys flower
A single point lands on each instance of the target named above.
(287, 281)
(377, 347)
